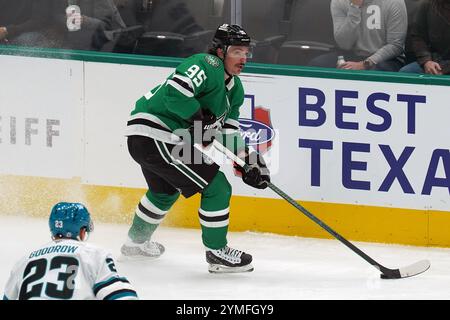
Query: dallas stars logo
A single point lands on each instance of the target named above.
(212, 60)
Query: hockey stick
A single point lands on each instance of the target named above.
(386, 273)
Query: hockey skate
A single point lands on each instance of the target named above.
(228, 260)
(136, 251)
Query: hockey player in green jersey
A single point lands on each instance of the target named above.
(200, 100)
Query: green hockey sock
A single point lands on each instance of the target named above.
(214, 212)
(150, 212)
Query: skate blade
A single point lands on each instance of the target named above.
(216, 268)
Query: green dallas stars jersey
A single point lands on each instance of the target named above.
(198, 82)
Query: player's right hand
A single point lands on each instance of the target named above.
(204, 127)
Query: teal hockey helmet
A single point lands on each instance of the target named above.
(67, 219)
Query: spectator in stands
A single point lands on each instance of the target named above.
(159, 15)
(21, 22)
(430, 38)
(170, 18)
(92, 29)
(370, 35)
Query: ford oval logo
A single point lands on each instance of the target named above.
(255, 132)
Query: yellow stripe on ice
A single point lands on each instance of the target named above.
(35, 196)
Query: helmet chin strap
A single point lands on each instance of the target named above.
(226, 71)
(224, 57)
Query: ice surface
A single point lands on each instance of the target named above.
(285, 267)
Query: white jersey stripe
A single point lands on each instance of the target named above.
(151, 207)
(185, 79)
(187, 93)
(214, 224)
(150, 117)
(214, 213)
(116, 286)
(146, 131)
(146, 218)
(178, 168)
(230, 85)
(232, 122)
(186, 167)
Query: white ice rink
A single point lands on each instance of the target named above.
(288, 268)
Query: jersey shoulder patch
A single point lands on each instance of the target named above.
(212, 60)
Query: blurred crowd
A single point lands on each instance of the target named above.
(387, 35)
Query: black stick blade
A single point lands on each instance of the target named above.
(408, 271)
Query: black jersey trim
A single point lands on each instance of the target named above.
(107, 283)
(185, 85)
(150, 214)
(147, 123)
(214, 219)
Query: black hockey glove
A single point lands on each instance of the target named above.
(204, 127)
(257, 174)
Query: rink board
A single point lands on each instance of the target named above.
(369, 156)
(35, 196)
